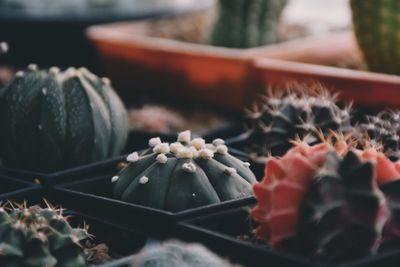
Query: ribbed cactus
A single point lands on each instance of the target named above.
(247, 23)
(285, 115)
(183, 175)
(51, 119)
(384, 130)
(177, 254)
(377, 28)
(328, 202)
(37, 237)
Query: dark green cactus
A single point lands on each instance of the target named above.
(52, 120)
(284, 116)
(384, 130)
(183, 175)
(36, 237)
(343, 212)
(247, 23)
(377, 28)
(177, 254)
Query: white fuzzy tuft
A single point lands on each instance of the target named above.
(185, 136)
(133, 157)
(32, 67)
(106, 81)
(206, 153)
(246, 164)
(189, 167)
(54, 70)
(114, 179)
(162, 148)
(19, 74)
(184, 153)
(195, 152)
(198, 143)
(218, 142)
(222, 149)
(230, 171)
(144, 180)
(174, 147)
(161, 158)
(154, 141)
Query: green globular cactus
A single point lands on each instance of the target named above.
(377, 28)
(286, 115)
(52, 120)
(384, 130)
(177, 254)
(247, 23)
(39, 237)
(183, 175)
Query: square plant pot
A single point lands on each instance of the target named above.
(221, 231)
(94, 196)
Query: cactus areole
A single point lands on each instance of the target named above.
(52, 120)
(183, 175)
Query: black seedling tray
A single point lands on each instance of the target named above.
(94, 169)
(94, 196)
(13, 188)
(220, 232)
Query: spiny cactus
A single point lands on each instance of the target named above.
(177, 254)
(384, 129)
(336, 202)
(377, 28)
(52, 120)
(38, 237)
(296, 112)
(247, 23)
(183, 175)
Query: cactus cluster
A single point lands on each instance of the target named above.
(37, 237)
(308, 113)
(384, 130)
(177, 254)
(247, 23)
(376, 26)
(328, 202)
(186, 174)
(52, 120)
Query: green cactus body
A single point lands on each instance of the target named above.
(279, 119)
(177, 254)
(247, 23)
(36, 237)
(377, 28)
(344, 212)
(53, 120)
(183, 175)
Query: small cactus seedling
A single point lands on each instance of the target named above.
(52, 120)
(247, 23)
(38, 237)
(337, 202)
(289, 114)
(177, 254)
(183, 175)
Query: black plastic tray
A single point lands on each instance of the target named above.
(220, 232)
(94, 196)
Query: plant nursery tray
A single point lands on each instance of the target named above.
(94, 196)
(13, 188)
(220, 231)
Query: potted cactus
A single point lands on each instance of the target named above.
(193, 58)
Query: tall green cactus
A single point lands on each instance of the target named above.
(52, 119)
(377, 28)
(247, 23)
